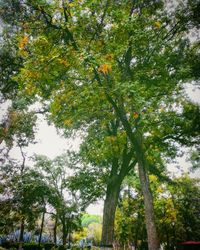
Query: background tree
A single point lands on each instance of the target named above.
(176, 210)
(24, 195)
(88, 219)
(65, 202)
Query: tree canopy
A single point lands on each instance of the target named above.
(115, 70)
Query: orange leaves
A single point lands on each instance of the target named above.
(135, 115)
(64, 62)
(22, 43)
(33, 74)
(104, 68)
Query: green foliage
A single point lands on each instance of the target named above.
(67, 203)
(48, 246)
(176, 209)
(32, 246)
(25, 195)
(78, 235)
(186, 195)
(129, 221)
(87, 219)
(95, 63)
(19, 128)
(129, 59)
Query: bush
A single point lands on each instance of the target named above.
(10, 244)
(48, 245)
(32, 246)
(62, 247)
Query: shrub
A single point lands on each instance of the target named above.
(48, 245)
(62, 247)
(32, 246)
(10, 244)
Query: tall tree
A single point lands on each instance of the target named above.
(95, 61)
(65, 202)
(112, 158)
(23, 198)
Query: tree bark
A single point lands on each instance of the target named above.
(136, 140)
(64, 237)
(21, 236)
(110, 205)
(55, 231)
(41, 230)
(64, 230)
(153, 241)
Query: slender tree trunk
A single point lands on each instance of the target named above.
(41, 230)
(68, 232)
(21, 236)
(110, 205)
(167, 236)
(64, 231)
(64, 238)
(55, 231)
(153, 241)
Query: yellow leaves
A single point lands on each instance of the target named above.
(62, 83)
(64, 62)
(109, 57)
(111, 138)
(33, 74)
(71, 5)
(24, 53)
(153, 178)
(41, 41)
(104, 68)
(67, 122)
(30, 89)
(75, 3)
(13, 116)
(161, 110)
(135, 115)
(160, 190)
(157, 24)
(23, 42)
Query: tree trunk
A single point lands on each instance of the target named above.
(21, 236)
(136, 140)
(110, 205)
(68, 233)
(64, 231)
(55, 231)
(64, 238)
(153, 242)
(42, 225)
